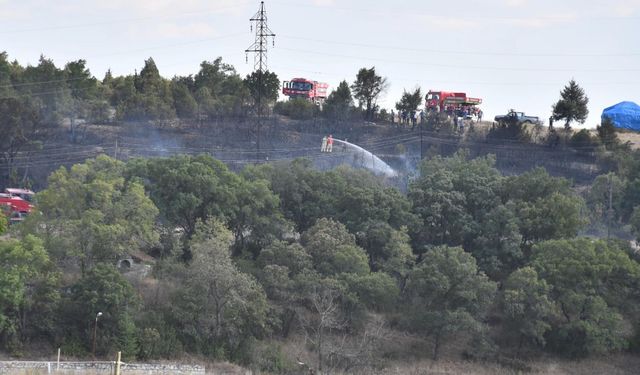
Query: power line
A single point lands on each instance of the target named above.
(474, 17)
(458, 52)
(453, 66)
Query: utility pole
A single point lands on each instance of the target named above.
(259, 49)
(421, 143)
(95, 334)
(115, 152)
(610, 211)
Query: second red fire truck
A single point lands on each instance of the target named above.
(313, 91)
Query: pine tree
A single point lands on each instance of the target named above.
(366, 89)
(572, 105)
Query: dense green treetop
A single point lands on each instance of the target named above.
(219, 306)
(367, 88)
(446, 294)
(451, 197)
(339, 103)
(527, 306)
(594, 285)
(27, 290)
(410, 101)
(91, 214)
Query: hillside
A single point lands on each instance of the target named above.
(235, 144)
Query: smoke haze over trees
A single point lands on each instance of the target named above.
(338, 263)
(290, 251)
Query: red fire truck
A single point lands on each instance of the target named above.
(303, 88)
(16, 204)
(444, 101)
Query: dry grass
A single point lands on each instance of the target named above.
(610, 365)
(630, 136)
(613, 365)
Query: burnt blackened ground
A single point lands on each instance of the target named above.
(236, 144)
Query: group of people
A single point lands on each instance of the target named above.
(327, 144)
(408, 117)
(458, 113)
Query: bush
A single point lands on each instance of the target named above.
(510, 130)
(583, 141)
(298, 109)
(272, 360)
(73, 347)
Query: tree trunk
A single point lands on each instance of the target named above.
(320, 350)
(436, 346)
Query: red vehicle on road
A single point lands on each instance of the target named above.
(444, 101)
(313, 91)
(15, 207)
(25, 194)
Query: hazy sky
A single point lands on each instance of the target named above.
(511, 53)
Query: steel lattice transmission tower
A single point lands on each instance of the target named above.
(259, 47)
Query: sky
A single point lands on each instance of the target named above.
(511, 53)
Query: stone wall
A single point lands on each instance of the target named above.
(96, 368)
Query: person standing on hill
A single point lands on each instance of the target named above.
(330, 143)
(324, 144)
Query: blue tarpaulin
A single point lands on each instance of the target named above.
(624, 115)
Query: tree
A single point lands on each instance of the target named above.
(545, 206)
(353, 197)
(28, 291)
(219, 308)
(90, 214)
(19, 125)
(285, 268)
(207, 105)
(6, 87)
(367, 88)
(83, 89)
(527, 307)
(186, 105)
(497, 245)
(597, 199)
(53, 92)
(324, 317)
(607, 134)
(339, 103)
(340, 262)
(389, 249)
(635, 222)
(410, 101)
(257, 212)
(263, 88)
(103, 290)
(572, 105)
(213, 75)
(187, 188)
(451, 198)
(445, 294)
(594, 285)
(4, 222)
(333, 249)
(149, 81)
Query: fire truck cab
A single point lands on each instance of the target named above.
(303, 88)
(16, 204)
